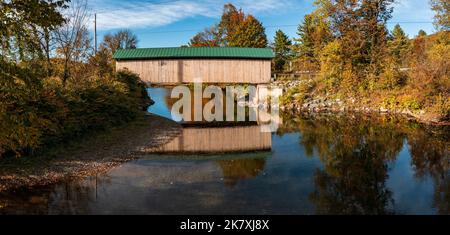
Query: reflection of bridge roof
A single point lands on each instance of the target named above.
(213, 140)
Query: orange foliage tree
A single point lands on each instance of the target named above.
(235, 29)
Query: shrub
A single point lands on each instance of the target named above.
(391, 77)
(297, 94)
(36, 113)
(331, 62)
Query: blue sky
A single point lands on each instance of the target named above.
(171, 23)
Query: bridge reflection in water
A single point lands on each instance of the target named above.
(203, 140)
(202, 137)
(238, 150)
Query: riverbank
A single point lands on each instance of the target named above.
(90, 156)
(297, 99)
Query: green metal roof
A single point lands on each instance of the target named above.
(193, 52)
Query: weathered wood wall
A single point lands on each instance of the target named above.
(218, 140)
(200, 70)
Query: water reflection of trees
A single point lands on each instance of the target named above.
(240, 169)
(430, 156)
(70, 197)
(355, 151)
(76, 197)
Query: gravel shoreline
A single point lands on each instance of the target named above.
(90, 156)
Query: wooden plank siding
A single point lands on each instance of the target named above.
(175, 71)
(218, 140)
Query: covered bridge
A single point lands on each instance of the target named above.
(197, 64)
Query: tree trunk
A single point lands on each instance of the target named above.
(66, 71)
(47, 53)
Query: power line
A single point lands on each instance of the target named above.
(272, 26)
(198, 30)
(269, 26)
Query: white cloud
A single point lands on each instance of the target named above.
(150, 14)
(262, 6)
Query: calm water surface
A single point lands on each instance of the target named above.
(326, 164)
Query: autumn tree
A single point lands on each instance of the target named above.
(282, 46)
(360, 28)
(72, 38)
(21, 87)
(45, 35)
(230, 21)
(123, 39)
(21, 33)
(235, 29)
(103, 60)
(362, 60)
(399, 46)
(442, 17)
(250, 33)
(210, 37)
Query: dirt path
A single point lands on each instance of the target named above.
(89, 156)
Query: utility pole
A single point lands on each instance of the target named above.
(95, 34)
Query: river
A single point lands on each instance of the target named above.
(313, 164)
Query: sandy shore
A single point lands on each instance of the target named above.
(90, 156)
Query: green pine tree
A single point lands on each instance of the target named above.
(282, 46)
(422, 33)
(399, 43)
(306, 41)
(313, 34)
